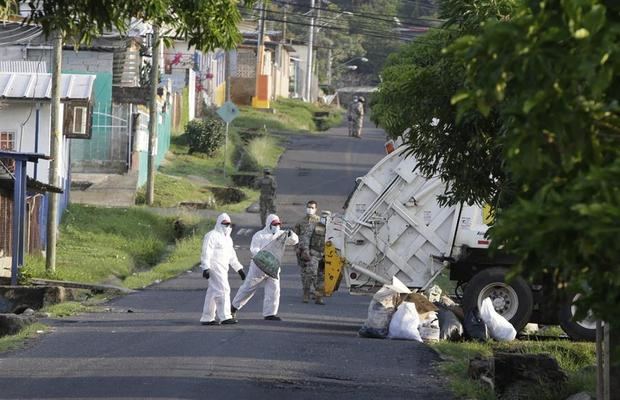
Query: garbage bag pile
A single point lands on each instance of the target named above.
(396, 313)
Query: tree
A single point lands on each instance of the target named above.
(556, 90)
(536, 88)
(443, 141)
(205, 24)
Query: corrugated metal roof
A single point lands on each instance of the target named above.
(39, 86)
(27, 67)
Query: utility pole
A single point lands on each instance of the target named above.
(259, 49)
(150, 178)
(55, 154)
(329, 66)
(309, 55)
(227, 80)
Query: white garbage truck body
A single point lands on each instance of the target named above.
(395, 225)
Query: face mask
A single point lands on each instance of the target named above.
(228, 230)
(310, 211)
(274, 229)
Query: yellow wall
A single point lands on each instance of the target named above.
(219, 95)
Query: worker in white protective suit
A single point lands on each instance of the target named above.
(218, 254)
(260, 240)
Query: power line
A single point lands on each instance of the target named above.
(370, 15)
(376, 34)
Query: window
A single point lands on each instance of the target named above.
(7, 142)
(77, 120)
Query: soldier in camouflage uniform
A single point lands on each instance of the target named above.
(267, 201)
(304, 229)
(317, 252)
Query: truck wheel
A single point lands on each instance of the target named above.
(514, 300)
(584, 330)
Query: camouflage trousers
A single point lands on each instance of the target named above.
(357, 127)
(267, 206)
(308, 271)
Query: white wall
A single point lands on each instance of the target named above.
(20, 117)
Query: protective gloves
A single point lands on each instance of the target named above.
(205, 274)
(241, 274)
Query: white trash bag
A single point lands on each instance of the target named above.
(499, 327)
(404, 324)
(429, 327)
(380, 311)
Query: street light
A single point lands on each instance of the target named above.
(362, 59)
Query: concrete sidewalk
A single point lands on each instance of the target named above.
(108, 190)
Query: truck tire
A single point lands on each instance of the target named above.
(513, 300)
(584, 330)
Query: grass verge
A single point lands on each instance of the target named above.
(290, 115)
(184, 256)
(574, 358)
(97, 244)
(17, 341)
(68, 308)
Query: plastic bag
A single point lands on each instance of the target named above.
(429, 327)
(475, 328)
(268, 258)
(450, 328)
(380, 311)
(404, 324)
(499, 327)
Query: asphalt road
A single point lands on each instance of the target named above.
(151, 345)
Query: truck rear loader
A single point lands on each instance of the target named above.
(394, 225)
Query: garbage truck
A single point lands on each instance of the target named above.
(394, 225)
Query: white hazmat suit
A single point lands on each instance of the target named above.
(271, 302)
(217, 255)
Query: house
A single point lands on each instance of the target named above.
(275, 74)
(25, 126)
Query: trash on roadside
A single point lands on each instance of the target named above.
(450, 328)
(474, 326)
(405, 322)
(499, 327)
(433, 293)
(422, 304)
(380, 311)
(429, 327)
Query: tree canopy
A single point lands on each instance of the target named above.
(525, 96)
(205, 24)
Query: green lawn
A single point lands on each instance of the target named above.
(17, 341)
(574, 358)
(96, 244)
(288, 116)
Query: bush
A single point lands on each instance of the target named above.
(205, 135)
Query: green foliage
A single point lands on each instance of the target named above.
(17, 341)
(441, 140)
(68, 308)
(555, 89)
(576, 359)
(185, 255)
(98, 243)
(205, 135)
(204, 24)
(170, 191)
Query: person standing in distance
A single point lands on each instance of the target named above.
(218, 254)
(271, 301)
(350, 115)
(358, 117)
(267, 201)
(304, 229)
